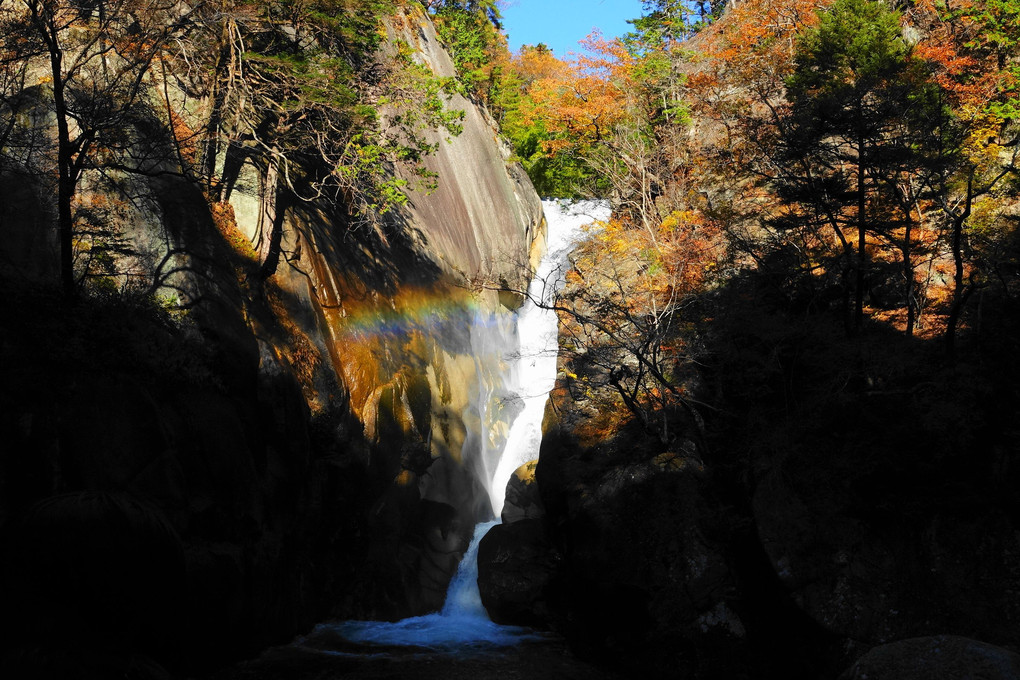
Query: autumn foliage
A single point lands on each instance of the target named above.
(858, 153)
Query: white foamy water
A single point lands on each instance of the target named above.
(461, 625)
(533, 368)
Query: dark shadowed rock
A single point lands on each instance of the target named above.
(875, 553)
(517, 571)
(80, 664)
(645, 579)
(94, 571)
(941, 657)
(272, 455)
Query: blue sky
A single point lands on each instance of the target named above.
(561, 23)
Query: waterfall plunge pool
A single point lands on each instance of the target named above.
(462, 626)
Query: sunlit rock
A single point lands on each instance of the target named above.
(522, 498)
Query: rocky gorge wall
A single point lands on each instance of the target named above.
(867, 531)
(192, 488)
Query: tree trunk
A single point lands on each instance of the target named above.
(272, 260)
(66, 178)
(267, 207)
(211, 147)
(908, 273)
(960, 291)
(861, 253)
(274, 207)
(861, 217)
(845, 275)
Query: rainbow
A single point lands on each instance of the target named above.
(413, 310)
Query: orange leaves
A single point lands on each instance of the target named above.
(578, 101)
(756, 39)
(536, 63)
(653, 265)
(607, 57)
(963, 51)
(688, 250)
(958, 74)
(185, 138)
(747, 54)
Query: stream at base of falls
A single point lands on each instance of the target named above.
(457, 643)
(460, 641)
(461, 626)
(543, 660)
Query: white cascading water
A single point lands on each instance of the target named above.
(461, 625)
(532, 371)
(529, 348)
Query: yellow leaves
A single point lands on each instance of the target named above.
(677, 219)
(616, 238)
(986, 217)
(981, 145)
(646, 267)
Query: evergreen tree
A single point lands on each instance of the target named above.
(855, 127)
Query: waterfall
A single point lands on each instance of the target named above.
(462, 597)
(507, 419)
(532, 363)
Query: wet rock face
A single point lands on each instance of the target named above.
(378, 322)
(941, 656)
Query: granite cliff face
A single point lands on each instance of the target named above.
(296, 446)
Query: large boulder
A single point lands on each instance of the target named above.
(517, 563)
(645, 577)
(861, 541)
(522, 499)
(940, 657)
(517, 573)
